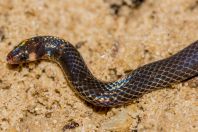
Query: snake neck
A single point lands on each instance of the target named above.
(84, 83)
(73, 64)
(61, 52)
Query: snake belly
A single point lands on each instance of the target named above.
(159, 74)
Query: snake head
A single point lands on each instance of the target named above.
(28, 50)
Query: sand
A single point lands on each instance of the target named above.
(114, 37)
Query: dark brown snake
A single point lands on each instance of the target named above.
(160, 74)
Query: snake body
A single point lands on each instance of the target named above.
(160, 74)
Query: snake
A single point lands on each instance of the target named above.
(156, 75)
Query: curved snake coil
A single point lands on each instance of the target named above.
(159, 74)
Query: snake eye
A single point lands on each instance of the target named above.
(24, 57)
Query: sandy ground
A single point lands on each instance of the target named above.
(114, 36)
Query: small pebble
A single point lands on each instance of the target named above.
(70, 125)
(2, 35)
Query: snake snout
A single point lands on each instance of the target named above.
(9, 59)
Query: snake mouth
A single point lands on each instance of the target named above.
(9, 59)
